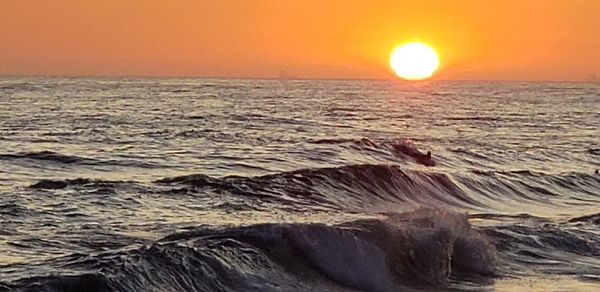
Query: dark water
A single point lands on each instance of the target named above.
(269, 185)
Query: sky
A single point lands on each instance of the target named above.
(476, 39)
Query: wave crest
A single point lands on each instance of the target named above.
(412, 250)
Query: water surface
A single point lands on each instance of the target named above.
(298, 185)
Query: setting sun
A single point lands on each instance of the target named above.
(414, 61)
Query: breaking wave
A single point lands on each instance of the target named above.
(420, 249)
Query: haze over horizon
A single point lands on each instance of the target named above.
(477, 40)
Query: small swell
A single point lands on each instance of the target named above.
(593, 218)
(14, 210)
(474, 118)
(47, 184)
(333, 141)
(370, 187)
(512, 172)
(355, 187)
(54, 157)
(540, 245)
(594, 151)
(48, 156)
(468, 151)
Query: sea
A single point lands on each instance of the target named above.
(149, 184)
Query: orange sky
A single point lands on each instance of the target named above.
(477, 39)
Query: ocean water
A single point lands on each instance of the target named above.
(298, 185)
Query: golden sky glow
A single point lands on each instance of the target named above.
(476, 39)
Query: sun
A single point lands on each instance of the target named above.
(414, 61)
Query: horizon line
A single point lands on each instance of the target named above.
(290, 78)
